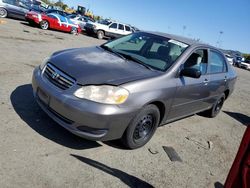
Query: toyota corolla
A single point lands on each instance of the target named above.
(126, 88)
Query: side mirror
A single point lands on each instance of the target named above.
(191, 72)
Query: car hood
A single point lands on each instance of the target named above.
(94, 65)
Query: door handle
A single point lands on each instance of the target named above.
(205, 81)
(225, 79)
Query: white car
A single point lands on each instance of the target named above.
(107, 28)
(230, 59)
(80, 20)
(245, 64)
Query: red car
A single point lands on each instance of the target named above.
(239, 175)
(52, 21)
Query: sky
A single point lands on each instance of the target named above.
(226, 21)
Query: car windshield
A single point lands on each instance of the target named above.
(154, 51)
(104, 22)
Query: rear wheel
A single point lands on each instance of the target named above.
(44, 25)
(3, 13)
(142, 127)
(215, 110)
(100, 34)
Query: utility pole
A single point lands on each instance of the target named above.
(219, 41)
(184, 28)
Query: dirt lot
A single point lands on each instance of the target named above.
(36, 152)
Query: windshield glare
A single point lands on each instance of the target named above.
(155, 51)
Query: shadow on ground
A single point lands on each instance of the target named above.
(27, 24)
(26, 107)
(127, 179)
(244, 119)
(218, 185)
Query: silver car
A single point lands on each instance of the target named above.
(128, 87)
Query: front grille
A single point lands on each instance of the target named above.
(57, 77)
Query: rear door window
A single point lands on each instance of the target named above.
(217, 63)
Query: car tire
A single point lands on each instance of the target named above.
(142, 127)
(216, 108)
(44, 25)
(100, 34)
(3, 13)
(74, 31)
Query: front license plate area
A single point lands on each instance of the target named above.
(43, 96)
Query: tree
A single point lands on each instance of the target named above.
(64, 7)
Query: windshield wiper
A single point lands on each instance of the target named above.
(136, 60)
(113, 51)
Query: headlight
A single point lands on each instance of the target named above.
(103, 94)
(44, 63)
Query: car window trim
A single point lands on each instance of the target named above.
(225, 63)
(195, 49)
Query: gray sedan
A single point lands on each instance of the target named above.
(14, 8)
(128, 87)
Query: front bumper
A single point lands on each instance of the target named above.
(245, 66)
(31, 19)
(87, 119)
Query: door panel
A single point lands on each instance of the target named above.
(192, 94)
(190, 97)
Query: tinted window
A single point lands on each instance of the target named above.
(127, 28)
(216, 62)
(113, 25)
(11, 2)
(24, 4)
(105, 22)
(121, 27)
(197, 60)
(51, 16)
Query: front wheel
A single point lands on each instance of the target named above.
(100, 34)
(74, 31)
(3, 13)
(44, 25)
(142, 127)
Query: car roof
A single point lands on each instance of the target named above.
(185, 40)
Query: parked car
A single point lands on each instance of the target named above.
(245, 64)
(237, 61)
(230, 59)
(80, 20)
(53, 21)
(239, 174)
(127, 87)
(14, 9)
(107, 28)
(56, 11)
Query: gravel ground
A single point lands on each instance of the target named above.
(36, 152)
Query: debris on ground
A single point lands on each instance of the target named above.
(26, 31)
(172, 154)
(205, 145)
(153, 151)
